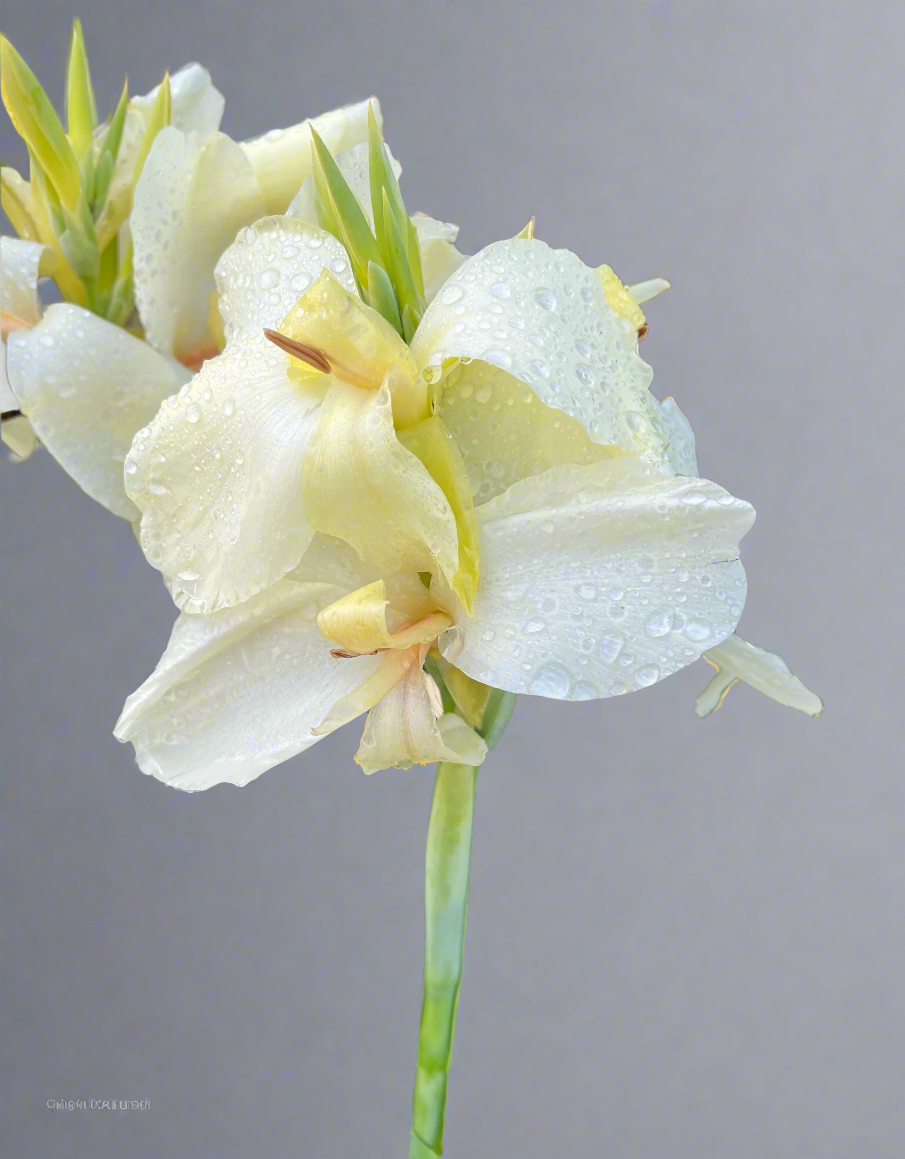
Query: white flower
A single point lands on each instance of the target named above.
(197, 189)
(567, 558)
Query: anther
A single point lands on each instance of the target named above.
(314, 358)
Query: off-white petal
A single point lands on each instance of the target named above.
(196, 103)
(439, 257)
(20, 264)
(542, 315)
(194, 194)
(269, 266)
(680, 449)
(281, 158)
(240, 690)
(736, 659)
(602, 579)
(87, 386)
(355, 167)
(17, 433)
(402, 730)
(505, 433)
(218, 478)
(363, 486)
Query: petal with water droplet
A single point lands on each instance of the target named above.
(656, 564)
(239, 691)
(87, 386)
(218, 477)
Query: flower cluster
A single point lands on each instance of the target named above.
(378, 476)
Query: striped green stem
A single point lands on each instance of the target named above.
(445, 905)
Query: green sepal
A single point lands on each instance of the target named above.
(384, 185)
(36, 122)
(81, 111)
(350, 226)
(106, 162)
(381, 297)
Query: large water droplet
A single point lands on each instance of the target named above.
(545, 298)
(269, 278)
(192, 413)
(698, 630)
(660, 623)
(646, 676)
(610, 646)
(550, 680)
(451, 295)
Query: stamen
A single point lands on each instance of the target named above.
(314, 358)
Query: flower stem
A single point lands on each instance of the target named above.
(445, 906)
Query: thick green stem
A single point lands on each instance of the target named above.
(445, 905)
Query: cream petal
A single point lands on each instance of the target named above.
(239, 691)
(196, 104)
(86, 387)
(602, 579)
(262, 275)
(17, 434)
(402, 730)
(194, 194)
(505, 433)
(680, 448)
(363, 486)
(218, 478)
(20, 268)
(439, 257)
(542, 315)
(281, 159)
(736, 659)
(354, 165)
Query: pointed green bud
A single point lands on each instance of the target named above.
(35, 121)
(411, 303)
(81, 112)
(384, 185)
(381, 297)
(106, 162)
(160, 115)
(343, 211)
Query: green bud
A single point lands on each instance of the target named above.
(81, 112)
(381, 297)
(385, 186)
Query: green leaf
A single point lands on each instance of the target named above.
(411, 303)
(381, 296)
(81, 112)
(351, 225)
(35, 121)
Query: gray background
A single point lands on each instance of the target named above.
(686, 939)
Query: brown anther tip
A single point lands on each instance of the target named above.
(642, 331)
(307, 354)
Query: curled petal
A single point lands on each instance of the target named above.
(269, 266)
(363, 486)
(20, 268)
(439, 257)
(218, 478)
(281, 159)
(680, 449)
(194, 194)
(359, 621)
(602, 579)
(543, 317)
(86, 387)
(402, 730)
(239, 691)
(736, 659)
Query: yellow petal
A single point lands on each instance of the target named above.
(619, 298)
(363, 486)
(359, 621)
(432, 443)
(391, 669)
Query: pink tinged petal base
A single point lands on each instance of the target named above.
(239, 691)
(600, 580)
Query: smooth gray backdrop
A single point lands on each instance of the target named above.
(686, 938)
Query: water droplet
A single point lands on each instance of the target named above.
(585, 375)
(584, 690)
(610, 646)
(660, 623)
(545, 298)
(451, 295)
(269, 278)
(498, 358)
(534, 626)
(189, 577)
(229, 407)
(698, 630)
(647, 675)
(192, 413)
(550, 680)
(299, 282)
(587, 591)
